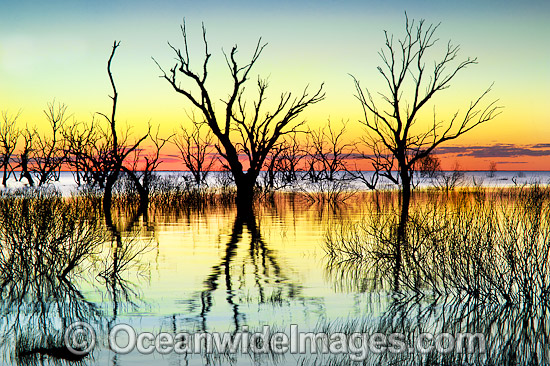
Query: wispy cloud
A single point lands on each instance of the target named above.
(497, 151)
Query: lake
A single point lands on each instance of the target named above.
(187, 270)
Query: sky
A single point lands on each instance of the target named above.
(58, 50)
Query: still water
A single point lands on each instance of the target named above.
(210, 271)
(181, 269)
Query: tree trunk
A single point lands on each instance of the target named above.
(142, 188)
(143, 191)
(26, 174)
(245, 195)
(5, 177)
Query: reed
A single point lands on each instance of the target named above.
(473, 261)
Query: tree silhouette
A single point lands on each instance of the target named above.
(241, 130)
(283, 164)
(48, 152)
(101, 154)
(8, 141)
(428, 166)
(194, 147)
(25, 152)
(391, 121)
(119, 151)
(87, 149)
(327, 153)
(141, 172)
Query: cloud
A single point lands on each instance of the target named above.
(496, 151)
(541, 146)
(170, 158)
(513, 162)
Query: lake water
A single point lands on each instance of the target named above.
(209, 270)
(66, 182)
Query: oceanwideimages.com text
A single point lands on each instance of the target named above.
(123, 339)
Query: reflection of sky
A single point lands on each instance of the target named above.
(191, 248)
(59, 49)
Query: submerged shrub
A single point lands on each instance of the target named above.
(42, 233)
(495, 249)
(45, 242)
(468, 266)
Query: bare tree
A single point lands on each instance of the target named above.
(241, 130)
(48, 152)
(120, 150)
(327, 153)
(390, 122)
(448, 181)
(196, 149)
(492, 169)
(87, 150)
(428, 166)
(25, 152)
(144, 165)
(8, 141)
(101, 153)
(283, 163)
(289, 160)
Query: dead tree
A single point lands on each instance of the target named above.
(448, 181)
(412, 83)
(48, 153)
(196, 149)
(428, 166)
(492, 169)
(88, 149)
(101, 153)
(25, 155)
(242, 130)
(284, 163)
(327, 154)
(289, 160)
(8, 141)
(119, 150)
(143, 167)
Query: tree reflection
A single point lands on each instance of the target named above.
(269, 279)
(44, 244)
(50, 247)
(473, 264)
